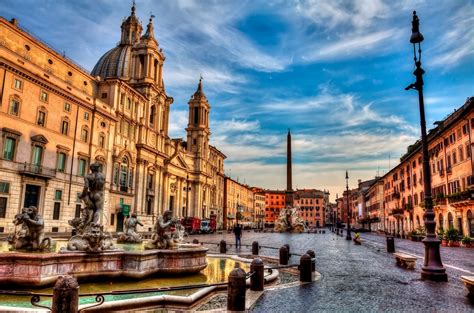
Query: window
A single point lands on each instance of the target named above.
(122, 97)
(150, 179)
(129, 104)
(152, 114)
(44, 96)
(101, 140)
(455, 160)
(104, 95)
(84, 134)
(18, 84)
(58, 194)
(67, 107)
(468, 150)
(77, 212)
(14, 108)
(86, 116)
(37, 155)
(41, 120)
(9, 148)
(3, 207)
(65, 127)
(82, 167)
(112, 219)
(4, 187)
(461, 154)
(56, 210)
(61, 163)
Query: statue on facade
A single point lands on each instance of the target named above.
(161, 239)
(89, 233)
(131, 235)
(30, 236)
(289, 220)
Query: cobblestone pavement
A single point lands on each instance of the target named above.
(361, 278)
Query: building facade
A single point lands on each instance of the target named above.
(274, 203)
(239, 204)
(57, 119)
(312, 205)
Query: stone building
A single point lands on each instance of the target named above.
(259, 196)
(312, 205)
(452, 183)
(274, 203)
(57, 118)
(239, 204)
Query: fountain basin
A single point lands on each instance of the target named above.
(40, 269)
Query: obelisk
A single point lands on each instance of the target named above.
(289, 188)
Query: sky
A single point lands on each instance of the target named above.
(333, 72)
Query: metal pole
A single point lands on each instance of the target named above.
(432, 267)
(348, 236)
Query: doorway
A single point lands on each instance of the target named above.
(32, 195)
(119, 227)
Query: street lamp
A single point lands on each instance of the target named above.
(432, 267)
(348, 236)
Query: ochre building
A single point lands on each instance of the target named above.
(56, 119)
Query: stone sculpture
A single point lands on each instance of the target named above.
(162, 240)
(89, 233)
(30, 236)
(289, 220)
(131, 235)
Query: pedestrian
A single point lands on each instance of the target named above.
(238, 235)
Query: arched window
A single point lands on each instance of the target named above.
(450, 220)
(14, 108)
(123, 180)
(85, 134)
(65, 126)
(41, 117)
(470, 223)
(152, 114)
(440, 221)
(102, 140)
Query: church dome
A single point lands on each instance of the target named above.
(115, 63)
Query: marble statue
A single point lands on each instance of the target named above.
(88, 230)
(131, 235)
(289, 220)
(161, 239)
(30, 236)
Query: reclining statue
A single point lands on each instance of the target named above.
(31, 234)
(130, 235)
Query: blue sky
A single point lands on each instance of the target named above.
(332, 71)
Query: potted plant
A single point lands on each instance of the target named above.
(466, 241)
(413, 235)
(452, 235)
(356, 239)
(421, 233)
(444, 240)
(441, 235)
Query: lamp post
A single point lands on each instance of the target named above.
(348, 236)
(432, 267)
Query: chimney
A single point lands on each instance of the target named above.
(14, 21)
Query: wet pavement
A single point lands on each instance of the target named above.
(361, 278)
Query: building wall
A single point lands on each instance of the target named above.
(239, 203)
(312, 206)
(274, 203)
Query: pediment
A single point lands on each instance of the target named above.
(39, 138)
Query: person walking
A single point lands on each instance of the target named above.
(238, 235)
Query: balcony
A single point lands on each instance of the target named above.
(396, 195)
(36, 170)
(397, 212)
(461, 198)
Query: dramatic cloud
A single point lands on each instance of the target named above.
(333, 72)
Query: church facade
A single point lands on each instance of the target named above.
(57, 118)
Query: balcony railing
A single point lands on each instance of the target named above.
(460, 197)
(36, 170)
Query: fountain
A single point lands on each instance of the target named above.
(289, 220)
(91, 252)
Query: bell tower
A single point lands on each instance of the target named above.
(198, 131)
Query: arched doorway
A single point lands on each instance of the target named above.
(440, 221)
(450, 220)
(470, 223)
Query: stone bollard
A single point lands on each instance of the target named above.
(222, 246)
(288, 247)
(390, 244)
(195, 241)
(256, 280)
(65, 295)
(313, 262)
(255, 248)
(236, 290)
(284, 256)
(306, 275)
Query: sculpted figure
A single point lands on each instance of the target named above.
(289, 220)
(93, 194)
(94, 240)
(131, 235)
(162, 240)
(31, 234)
